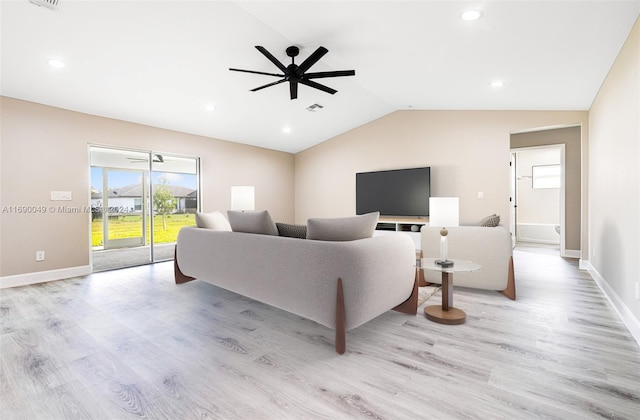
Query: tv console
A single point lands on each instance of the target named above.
(408, 225)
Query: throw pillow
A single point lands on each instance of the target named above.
(292, 231)
(343, 228)
(214, 220)
(252, 222)
(490, 221)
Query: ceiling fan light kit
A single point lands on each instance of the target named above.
(297, 74)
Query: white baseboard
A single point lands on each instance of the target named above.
(44, 276)
(584, 265)
(572, 253)
(630, 321)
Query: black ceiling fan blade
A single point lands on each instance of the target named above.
(293, 89)
(271, 58)
(321, 74)
(311, 60)
(318, 86)
(258, 72)
(269, 85)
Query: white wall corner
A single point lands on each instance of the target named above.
(624, 313)
(44, 276)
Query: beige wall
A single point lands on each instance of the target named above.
(45, 148)
(468, 152)
(614, 189)
(575, 178)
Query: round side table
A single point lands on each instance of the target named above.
(446, 313)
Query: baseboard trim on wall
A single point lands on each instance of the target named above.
(572, 253)
(584, 264)
(628, 319)
(43, 276)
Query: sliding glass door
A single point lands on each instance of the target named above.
(175, 201)
(124, 213)
(140, 201)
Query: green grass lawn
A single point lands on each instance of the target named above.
(131, 227)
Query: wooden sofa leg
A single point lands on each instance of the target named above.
(177, 274)
(341, 333)
(510, 291)
(420, 272)
(410, 306)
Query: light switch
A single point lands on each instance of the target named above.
(60, 195)
(480, 195)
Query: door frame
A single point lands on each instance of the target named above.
(149, 170)
(514, 188)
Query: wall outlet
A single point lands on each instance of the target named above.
(39, 255)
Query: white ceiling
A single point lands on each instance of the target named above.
(161, 62)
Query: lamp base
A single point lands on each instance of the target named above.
(444, 263)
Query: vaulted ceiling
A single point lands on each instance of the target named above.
(166, 63)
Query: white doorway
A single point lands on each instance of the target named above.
(538, 197)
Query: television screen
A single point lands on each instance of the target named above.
(400, 192)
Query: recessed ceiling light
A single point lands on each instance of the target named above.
(286, 130)
(56, 63)
(210, 107)
(497, 83)
(471, 15)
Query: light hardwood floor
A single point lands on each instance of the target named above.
(132, 344)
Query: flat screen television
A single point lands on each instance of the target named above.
(400, 192)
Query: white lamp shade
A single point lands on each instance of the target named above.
(243, 198)
(444, 211)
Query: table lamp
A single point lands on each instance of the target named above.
(243, 198)
(444, 213)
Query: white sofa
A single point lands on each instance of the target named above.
(339, 284)
(491, 247)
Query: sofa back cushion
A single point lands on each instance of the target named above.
(252, 222)
(213, 220)
(343, 228)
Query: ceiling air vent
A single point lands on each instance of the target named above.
(49, 4)
(314, 107)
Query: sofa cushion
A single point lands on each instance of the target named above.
(252, 222)
(213, 220)
(342, 228)
(292, 231)
(490, 221)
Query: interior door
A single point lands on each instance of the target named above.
(124, 212)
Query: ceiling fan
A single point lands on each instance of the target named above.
(295, 74)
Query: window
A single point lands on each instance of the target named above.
(546, 176)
